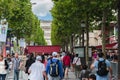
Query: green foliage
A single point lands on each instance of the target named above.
(21, 20)
(68, 14)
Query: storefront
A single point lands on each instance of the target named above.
(108, 46)
(43, 49)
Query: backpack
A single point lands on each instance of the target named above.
(54, 71)
(102, 68)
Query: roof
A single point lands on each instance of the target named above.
(107, 46)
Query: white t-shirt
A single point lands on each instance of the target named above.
(77, 61)
(36, 69)
(2, 67)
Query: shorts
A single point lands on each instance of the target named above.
(66, 67)
(77, 67)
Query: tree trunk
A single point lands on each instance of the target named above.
(17, 42)
(71, 43)
(103, 32)
(87, 38)
(83, 37)
(66, 47)
(66, 44)
(119, 40)
(80, 40)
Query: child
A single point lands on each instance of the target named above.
(84, 74)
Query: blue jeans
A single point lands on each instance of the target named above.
(16, 74)
(2, 76)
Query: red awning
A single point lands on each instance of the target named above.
(107, 46)
(43, 49)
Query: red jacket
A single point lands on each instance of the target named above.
(66, 60)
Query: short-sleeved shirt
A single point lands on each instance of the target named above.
(16, 63)
(36, 69)
(77, 61)
(96, 66)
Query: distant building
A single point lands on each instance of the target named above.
(94, 38)
(46, 27)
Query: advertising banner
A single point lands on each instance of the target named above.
(3, 30)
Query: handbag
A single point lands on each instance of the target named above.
(75, 62)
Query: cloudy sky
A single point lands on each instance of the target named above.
(42, 8)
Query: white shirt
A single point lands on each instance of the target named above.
(2, 67)
(36, 69)
(77, 61)
(10, 65)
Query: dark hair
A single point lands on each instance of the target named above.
(92, 76)
(76, 55)
(100, 54)
(84, 66)
(115, 57)
(31, 56)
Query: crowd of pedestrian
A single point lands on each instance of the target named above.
(56, 66)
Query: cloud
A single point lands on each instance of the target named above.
(42, 7)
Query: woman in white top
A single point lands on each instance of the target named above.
(77, 65)
(3, 70)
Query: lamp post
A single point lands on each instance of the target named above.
(83, 26)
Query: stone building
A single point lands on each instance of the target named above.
(46, 27)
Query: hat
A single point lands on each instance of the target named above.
(38, 58)
(54, 54)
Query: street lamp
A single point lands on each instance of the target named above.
(83, 26)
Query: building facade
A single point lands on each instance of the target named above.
(46, 27)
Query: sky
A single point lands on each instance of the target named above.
(42, 9)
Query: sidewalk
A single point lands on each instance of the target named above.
(23, 76)
(71, 76)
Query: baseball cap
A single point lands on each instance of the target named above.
(54, 54)
(38, 58)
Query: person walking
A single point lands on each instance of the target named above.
(29, 62)
(66, 64)
(54, 68)
(84, 73)
(37, 70)
(3, 68)
(103, 67)
(77, 65)
(17, 64)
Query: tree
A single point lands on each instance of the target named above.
(67, 17)
(64, 22)
(118, 7)
(20, 17)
